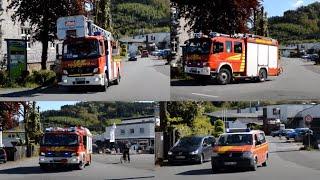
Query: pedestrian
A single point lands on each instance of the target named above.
(126, 150)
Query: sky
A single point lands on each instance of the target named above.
(278, 7)
(53, 105)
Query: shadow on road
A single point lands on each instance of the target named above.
(32, 170)
(209, 171)
(209, 82)
(25, 93)
(142, 177)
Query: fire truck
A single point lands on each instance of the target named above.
(87, 54)
(66, 147)
(229, 57)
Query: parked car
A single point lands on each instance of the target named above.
(3, 155)
(281, 132)
(144, 53)
(155, 53)
(240, 149)
(192, 149)
(299, 137)
(296, 132)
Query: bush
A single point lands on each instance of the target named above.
(42, 77)
(3, 78)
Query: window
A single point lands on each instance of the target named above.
(237, 47)
(262, 138)
(26, 35)
(141, 130)
(229, 46)
(131, 131)
(218, 47)
(122, 132)
(52, 45)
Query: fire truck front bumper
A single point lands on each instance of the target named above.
(59, 160)
(94, 80)
(198, 71)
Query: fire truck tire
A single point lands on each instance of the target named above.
(89, 162)
(262, 75)
(224, 76)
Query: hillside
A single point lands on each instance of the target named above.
(95, 115)
(131, 17)
(301, 25)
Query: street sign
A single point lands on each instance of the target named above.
(17, 57)
(308, 118)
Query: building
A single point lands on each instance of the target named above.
(139, 131)
(15, 30)
(305, 48)
(152, 40)
(309, 117)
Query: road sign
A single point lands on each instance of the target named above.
(308, 118)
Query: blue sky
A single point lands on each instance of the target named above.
(278, 7)
(53, 105)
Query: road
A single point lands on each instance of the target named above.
(100, 169)
(285, 163)
(147, 79)
(298, 82)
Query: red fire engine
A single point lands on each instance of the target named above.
(87, 57)
(228, 57)
(66, 146)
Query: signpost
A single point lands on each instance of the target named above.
(17, 57)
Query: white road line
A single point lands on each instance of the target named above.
(205, 95)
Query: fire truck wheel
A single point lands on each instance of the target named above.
(262, 75)
(224, 76)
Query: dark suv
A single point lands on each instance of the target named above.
(192, 149)
(3, 155)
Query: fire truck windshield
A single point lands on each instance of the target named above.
(199, 46)
(80, 49)
(59, 140)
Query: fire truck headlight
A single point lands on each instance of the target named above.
(41, 159)
(42, 154)
(74, 159)
(65, 72)
(74, 154)
(205, 64)
(95, 70)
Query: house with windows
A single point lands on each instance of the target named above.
(15, 30)
(140, 131)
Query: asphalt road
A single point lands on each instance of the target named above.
(285, 163)
(147, 79)
(100, 169)
(299, 81)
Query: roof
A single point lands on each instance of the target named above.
(132, 40)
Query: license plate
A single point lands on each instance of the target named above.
(193, 69)
(180, 157)
(80, 79)
(230, 163)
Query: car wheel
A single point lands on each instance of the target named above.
(265, 163)
(224, 77)
(80, 166)
(255, 165)
(262, 75)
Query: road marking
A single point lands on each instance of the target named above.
(205, 95)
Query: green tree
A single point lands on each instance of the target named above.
(201, 125)
(226, 16)
(42, 16)
(218, 127)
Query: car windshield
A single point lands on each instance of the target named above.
(189, 141)
(199, 46)
(80, 49)
(60, 140)
(235, 140)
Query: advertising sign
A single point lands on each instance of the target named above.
(17, 57)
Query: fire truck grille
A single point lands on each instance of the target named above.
(80, 70)
(58, 154)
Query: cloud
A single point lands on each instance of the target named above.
(298, 3)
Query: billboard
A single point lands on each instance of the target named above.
(17, 57)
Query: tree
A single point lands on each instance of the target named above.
(42, 16)
(8, 110)
(218, 127)
(225, 16)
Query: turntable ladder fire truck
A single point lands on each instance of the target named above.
(229, 57)
(87, 54)
(71, 147)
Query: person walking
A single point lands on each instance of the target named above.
(126, 150)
